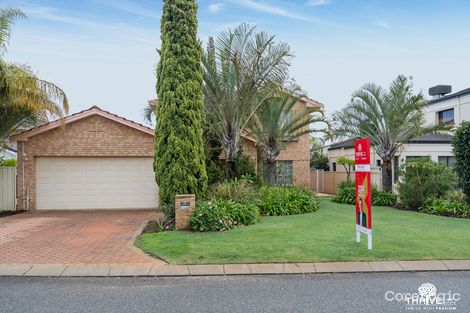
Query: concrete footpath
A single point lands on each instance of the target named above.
(157, 269)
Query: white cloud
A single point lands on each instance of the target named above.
(131, 7)
(385, 24)
(315, 3)
(266, 8)
(275, 10)
(215, 7)
(113, 30)
(53, 14)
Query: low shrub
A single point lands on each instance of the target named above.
(210, 217)
(243, 190)
(277, 200)
(242, 213)
(456, 195)
(446, 207)
(383, 198)
(423, 179)
(345, 184)
(222, 215)
(345, 195)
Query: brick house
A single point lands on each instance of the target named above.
(94, 159)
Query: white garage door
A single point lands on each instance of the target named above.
(70, 183)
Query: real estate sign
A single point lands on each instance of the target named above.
(363, 190)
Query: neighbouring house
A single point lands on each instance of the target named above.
(91, 160)
(293, 163)
(445, 107)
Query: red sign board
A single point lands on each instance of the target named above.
(363, 185)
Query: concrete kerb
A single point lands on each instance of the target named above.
(159, 270)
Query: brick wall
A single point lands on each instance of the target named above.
(91, 136)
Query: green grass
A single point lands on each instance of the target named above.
(327, 235)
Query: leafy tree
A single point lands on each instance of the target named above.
(25, 99)
(318, 160)
(390, 118)
(461, 148)
(422, 179)
(241, 71)
(347, 164)
(179, 151)
(7, 162)
(280, 121)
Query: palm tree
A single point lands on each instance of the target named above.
(150, 112)
(241, 70)
(280, 121)
(390, 118)
(25, 99)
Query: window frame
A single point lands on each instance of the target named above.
(283, 177)
(287, 179)
(440, 116)
(449, 160)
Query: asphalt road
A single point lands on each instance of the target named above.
(284, 293)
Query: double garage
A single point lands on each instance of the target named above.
(92, 160)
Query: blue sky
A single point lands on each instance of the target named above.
(103, 52)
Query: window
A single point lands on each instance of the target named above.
(283, 173)
(446, 116)
(447, 160)
(334, 166)
(378, 163)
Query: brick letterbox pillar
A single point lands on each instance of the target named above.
(184, 208)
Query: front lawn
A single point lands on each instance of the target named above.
(327, 235)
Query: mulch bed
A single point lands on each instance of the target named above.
(157, 226)
(151, 227)
(8, 213)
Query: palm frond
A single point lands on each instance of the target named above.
(7, 18)
(282, 120)
(241, 71)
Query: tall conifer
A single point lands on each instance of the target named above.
(179, 152)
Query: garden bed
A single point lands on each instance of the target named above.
(327, 235)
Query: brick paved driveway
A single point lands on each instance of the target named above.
(72, 237)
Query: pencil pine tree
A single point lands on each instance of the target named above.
(179, 161)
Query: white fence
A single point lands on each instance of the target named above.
(326, 182)
(8, 188)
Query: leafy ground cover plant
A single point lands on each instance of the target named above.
(447, 207)
(383, 198)
(278, 200)
(346, 194)
(237, 190)
(222, 215)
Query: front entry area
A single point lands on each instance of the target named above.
(76, 183)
